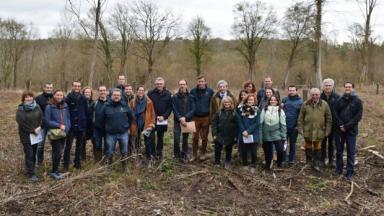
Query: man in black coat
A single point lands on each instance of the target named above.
(42, 100)
(261, 92)
(162, 102)
(348, 113)
(331, 98)
(78, 110)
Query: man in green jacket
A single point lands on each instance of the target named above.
(314, 123)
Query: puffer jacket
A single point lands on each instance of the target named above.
(55, 115)
(272, 124)
(292, 107)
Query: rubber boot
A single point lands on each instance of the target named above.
(308, 155)
(317, 160)
(124, 164)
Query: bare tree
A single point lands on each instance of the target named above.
(154, 29)
(252, 24)
(297, 26)
(121, 22)
(13, 37)
(106, 47)
(317, 39)
(90, 31)
(200, 33)
(362, 39)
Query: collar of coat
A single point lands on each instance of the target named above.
(309, 102)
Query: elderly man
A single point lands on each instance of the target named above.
(314, 123)
(348, 113)
(261, 92)
(222, 91)
(117, 117)
(330, 97)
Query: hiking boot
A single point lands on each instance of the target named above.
(56, 176)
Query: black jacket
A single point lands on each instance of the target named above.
(331, 100)
(97, 114)
(161, 102)
(43, 100)
(348, 112)
(203, 99)
(183, 106)
(78, 110)
(225, 127)
(28, 121)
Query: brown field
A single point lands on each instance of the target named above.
(192, 189)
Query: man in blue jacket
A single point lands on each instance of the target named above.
(98, 124)
(202, 95)
(78, 109)
(291, 105)
(117, 118)
(183, 108)
(331, 98)
(348, 113)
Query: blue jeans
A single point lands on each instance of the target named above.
(99, 139)
(350, 140)
(292, 137)
(40, 147)
(79, 135)
(176, 142)
(112, 139)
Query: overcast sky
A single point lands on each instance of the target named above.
(338, 14)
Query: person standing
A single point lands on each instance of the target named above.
(128, 93)
(273, 131)
(330, 97)
(291, 105)
(144, 123)
(117, 117)
(249, 87)
(262, 91)
(98, 124)
(348, 113)
(121, 81)
(88, 94)
(225, 130)
(249, 130)
(78, 109)
(56, 116)
(42, 100)
(183, 108)
(222, 91)
(202, 95)
(162, 103)
(29, 118)
(314, 123)
(267, 95)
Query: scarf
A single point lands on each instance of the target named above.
(248, 111)
(30, 106)
(139, 110)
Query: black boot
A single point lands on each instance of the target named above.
(317, 160)
(124, 164)
(97, 155)
(308, 155)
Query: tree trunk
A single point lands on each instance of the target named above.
(94, 51)
(318, 75)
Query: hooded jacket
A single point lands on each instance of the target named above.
(292, 107)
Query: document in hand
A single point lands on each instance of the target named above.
(164, 122)
(36, 138)
(189, 128)
(248, 139)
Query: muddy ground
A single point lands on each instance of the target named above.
(174, 188)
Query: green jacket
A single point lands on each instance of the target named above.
(315, 121)
(272, 124)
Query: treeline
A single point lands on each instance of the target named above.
(141, 41)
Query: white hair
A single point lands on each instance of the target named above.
(329, 81)
(222, 82)
(314, 90)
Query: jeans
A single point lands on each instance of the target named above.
(40, 147)
(30, 157)
(350, 141)
(112, 139)
(268, 151)
(57, 148)
(245, 149)
(331, 147)
(79, 135)
(99, 139)
(228, 152)
(176, 142)
(292, 134)
(202, 130)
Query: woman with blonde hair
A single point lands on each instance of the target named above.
(224, 130)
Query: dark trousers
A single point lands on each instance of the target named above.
(57, 148)
(30, 157)
(268, 152)
(159, 144)
(99, 139)
(149, 145)
(79, 135)
(176, 142)
(40, 147)
(228, 152)
(245, 149)
(350, 141)
(292, 134)
(330, 140)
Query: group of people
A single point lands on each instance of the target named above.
(326, 120)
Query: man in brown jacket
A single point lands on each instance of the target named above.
(314, 123)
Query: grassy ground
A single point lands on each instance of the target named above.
(174, 188)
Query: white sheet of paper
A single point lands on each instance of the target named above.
(36, 138)
(248, 139)
(164, 122)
